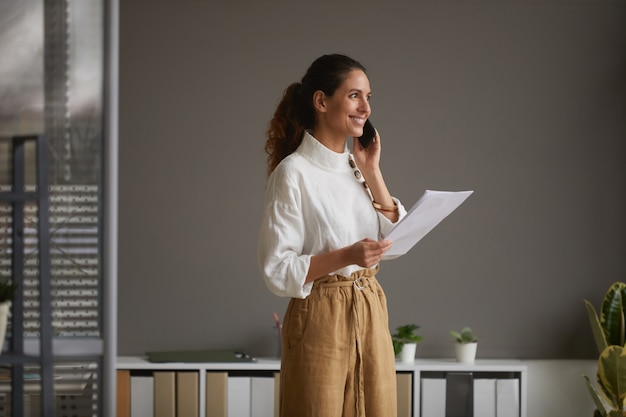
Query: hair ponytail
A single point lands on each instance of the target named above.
(286, 128)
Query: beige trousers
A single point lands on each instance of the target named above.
(337, 355)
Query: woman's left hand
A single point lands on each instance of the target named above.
(368, 158)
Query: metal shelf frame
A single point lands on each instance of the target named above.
(18, 197)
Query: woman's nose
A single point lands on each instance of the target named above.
(365, 105)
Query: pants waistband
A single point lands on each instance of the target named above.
(360, 279)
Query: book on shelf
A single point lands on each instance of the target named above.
(187, 393)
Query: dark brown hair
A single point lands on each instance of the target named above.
(295, 112)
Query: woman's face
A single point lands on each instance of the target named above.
(348, 108)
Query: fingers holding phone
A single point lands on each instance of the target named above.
(369, 133)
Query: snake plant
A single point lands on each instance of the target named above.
(609, 392)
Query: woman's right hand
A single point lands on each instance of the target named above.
(368, 252)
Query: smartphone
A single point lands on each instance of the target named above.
(368, 134)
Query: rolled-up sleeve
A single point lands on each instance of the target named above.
(281, 242)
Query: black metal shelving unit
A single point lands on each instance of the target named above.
(16, 357)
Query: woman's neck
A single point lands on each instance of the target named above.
(332, 142)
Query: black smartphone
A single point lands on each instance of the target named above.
(368, 134)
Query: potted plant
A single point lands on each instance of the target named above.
(7, 289)
(466, 345)
(609, 392)
(405, 342)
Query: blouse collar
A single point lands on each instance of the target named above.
(316, 153)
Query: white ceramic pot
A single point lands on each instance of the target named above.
(407, 354)
(4, 315)
(466, 352)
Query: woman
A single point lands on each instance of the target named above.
(326, 214)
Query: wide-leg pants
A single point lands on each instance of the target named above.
(337, 355)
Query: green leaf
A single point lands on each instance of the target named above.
(612, 314)
(595, 396)
(596, 327)
(465, 336)
(405, 334)
(612, 374)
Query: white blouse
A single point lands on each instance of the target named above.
(314, 204)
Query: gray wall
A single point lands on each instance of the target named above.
(523, 102)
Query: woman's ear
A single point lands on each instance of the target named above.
(319, 101)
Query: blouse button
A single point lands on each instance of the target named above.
(352, 164)
(357, 174)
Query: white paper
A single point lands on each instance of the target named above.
(426, 213)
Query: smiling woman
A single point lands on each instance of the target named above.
(321, 242)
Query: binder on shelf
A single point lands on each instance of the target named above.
(485, 397)
(239, 396)
(141, 395)
(459, 394)
(433, 397)
(164, 394)
(507, 397)
(404, 382)
(187, 393)
(276, 393)
(123, 393)
(262, 396)
(217, 394)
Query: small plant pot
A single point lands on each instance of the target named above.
(407, 354)
(466, 352)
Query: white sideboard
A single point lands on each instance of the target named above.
(421, 373)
